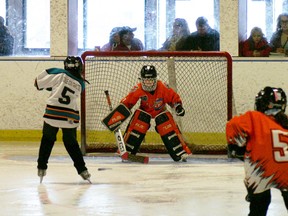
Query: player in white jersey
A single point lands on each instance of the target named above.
(62, 112)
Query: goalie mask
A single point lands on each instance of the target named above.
(148, 77)
(74, 65)
(271, 100)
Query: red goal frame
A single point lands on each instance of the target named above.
(154, 53)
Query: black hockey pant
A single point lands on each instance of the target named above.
(259, 203)
(285, 197)
(70, 143)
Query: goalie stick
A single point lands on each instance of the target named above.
(120, 141)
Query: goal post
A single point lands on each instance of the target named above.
(202, 79)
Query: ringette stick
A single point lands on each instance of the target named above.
(120, 141)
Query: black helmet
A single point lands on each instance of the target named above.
(270, 98)
(148, 73)
(73, 64)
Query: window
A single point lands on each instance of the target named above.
(37, 24)
(191, 11)
(29, 21)
(2, 8)
(101, 16)
(263, 14)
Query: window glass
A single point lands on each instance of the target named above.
(264, 14)
(102, 16)
(99, 17)
(28, 22)
(2, 8)
(162, 23)
(37, 24)
(190, 11)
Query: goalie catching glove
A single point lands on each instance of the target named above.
(179, 110)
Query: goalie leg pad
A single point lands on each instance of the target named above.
(136, 130)
(115, 118)
(170, 135)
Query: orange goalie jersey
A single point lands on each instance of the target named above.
(152, 103)
(266, 156)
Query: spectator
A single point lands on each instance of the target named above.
(279, 38)
(256, 45)
(114, 40)
(6, 40)
(127, 40)
(204, 39)
(179, 34)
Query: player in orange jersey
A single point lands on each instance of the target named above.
(262, 136)
(154, 95)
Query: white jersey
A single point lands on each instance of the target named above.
(62, 105)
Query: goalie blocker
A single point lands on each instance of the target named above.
(114, 119)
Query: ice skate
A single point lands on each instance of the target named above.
(184, 157)
(41, 174)
(86, 176)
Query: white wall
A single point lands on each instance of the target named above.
(22, 105)
(252, 74)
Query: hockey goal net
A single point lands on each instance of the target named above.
(202, 79)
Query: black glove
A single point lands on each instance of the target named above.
(235, 151)
(180, 110)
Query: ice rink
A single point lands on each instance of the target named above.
(203, 186)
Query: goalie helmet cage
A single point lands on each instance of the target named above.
(202, 79)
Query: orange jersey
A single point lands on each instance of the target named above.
(266, 157)
(152, 103)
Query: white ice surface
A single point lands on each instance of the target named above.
(204, 186)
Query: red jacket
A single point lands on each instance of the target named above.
(152, 103)
(136, 45)
(249, 46)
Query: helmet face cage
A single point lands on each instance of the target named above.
(270, 98)
(73, 64)
(148, 77)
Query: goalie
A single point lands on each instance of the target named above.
(153, 95)
(260, 138)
